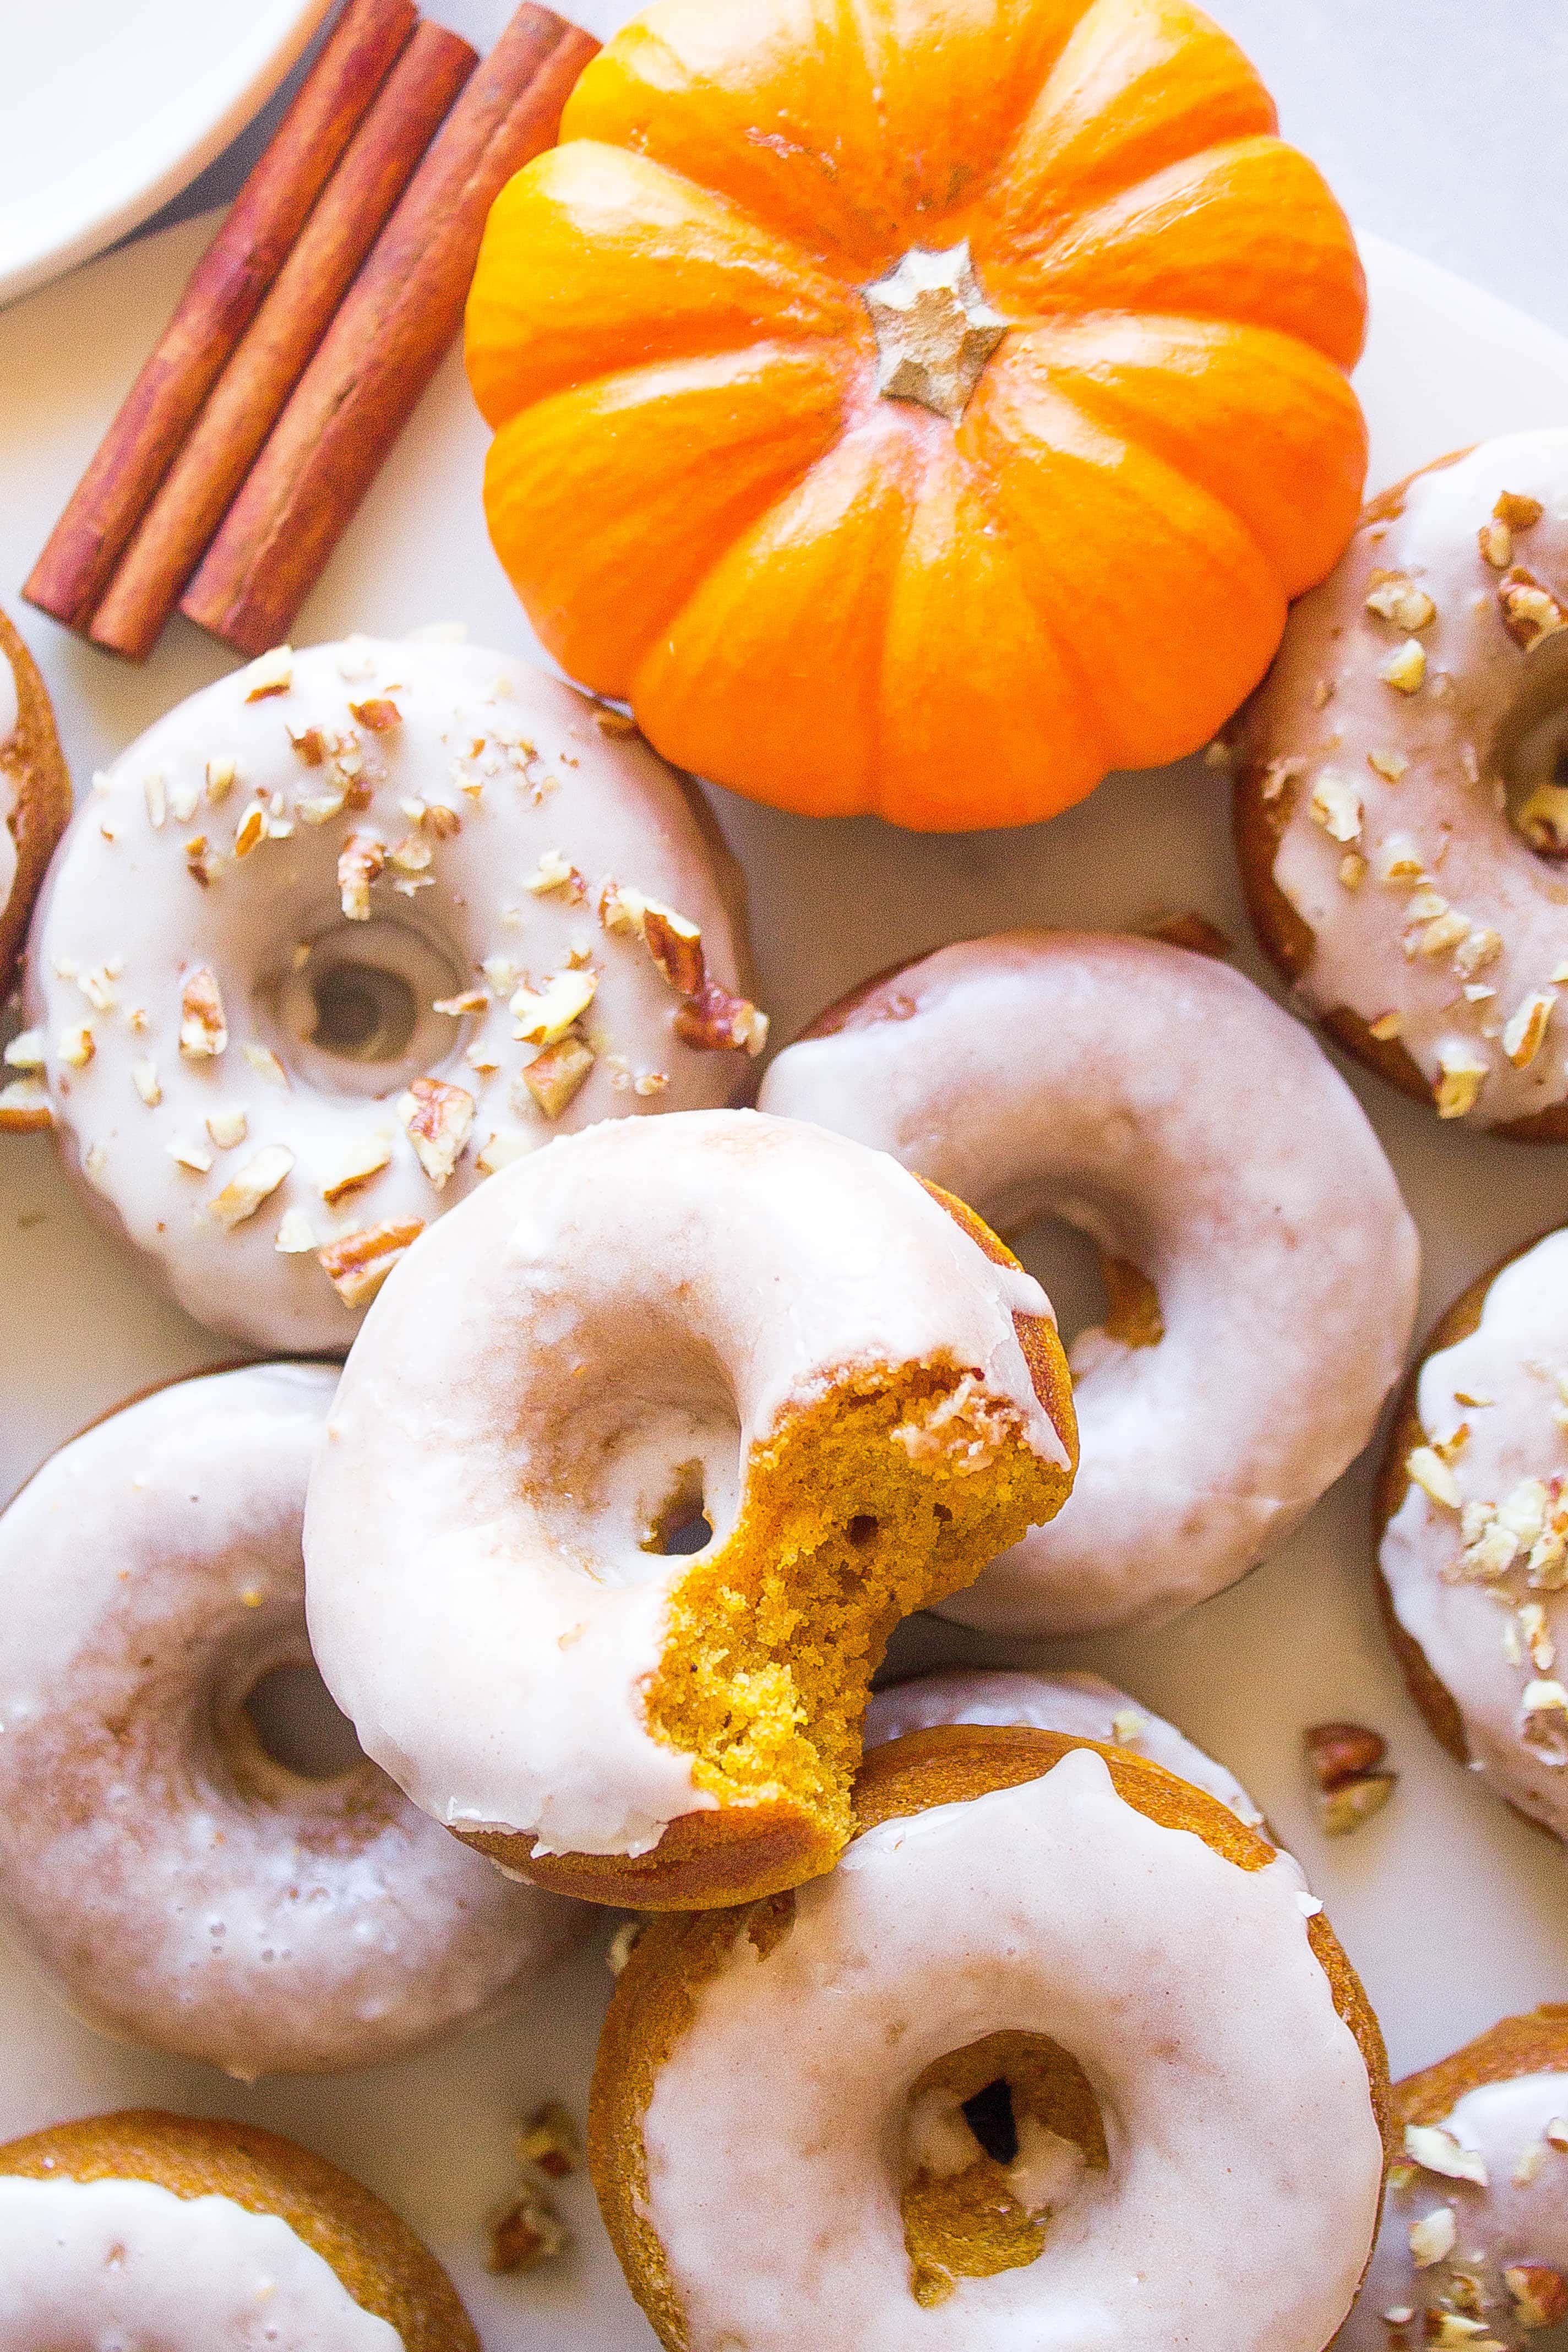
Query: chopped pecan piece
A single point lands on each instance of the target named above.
(716, 1022)
(1529, 612)
(528, 2233)
(360, 860)
(436, 1118)
(550, 2139)
(359, 1263)
(203, 1029)
(378, 714)
(555, 1076)
(25, 1107)
(362, 1160)
(256, 1181)
(1540, 2293)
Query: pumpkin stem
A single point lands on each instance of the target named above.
(934, 330)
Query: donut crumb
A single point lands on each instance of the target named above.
(551, 2140)
(529, 2233)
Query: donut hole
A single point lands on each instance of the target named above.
(1529, 751)
(353, 1012)
(1091, 1288)
(362, 1012)
(995, 2140)
(682, 1524)
(299, 1725)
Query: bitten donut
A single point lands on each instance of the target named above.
(34, 808)
(173, 1882)
(1473, 1518)
(142, 2231)
(1402, 805)
(714, 1329)
(1061, 2053)
(346, 931)
(1082, 1705)
(1474, 2243)
(1260, 1262)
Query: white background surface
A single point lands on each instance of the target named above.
(1449, 1906)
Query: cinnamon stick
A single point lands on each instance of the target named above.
(386, 342)
(223, 297)
(249, 395)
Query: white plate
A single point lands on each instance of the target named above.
(108, 108)
(1450, 1906)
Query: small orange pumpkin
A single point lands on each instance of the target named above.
(919, 406)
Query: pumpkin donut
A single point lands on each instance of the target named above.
(1082, 1705)
(715, 1328)
(1472, 1529)
(35, 807)
(1260, 1262)
(143, 2229)
(1476, 2222)
(1061, 2052)
(344, 931)
(1402, 803)
(174, 1881)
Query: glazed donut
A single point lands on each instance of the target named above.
(1471, 1514)
(342, 932)
(34, 808)
(1260, 1265)
(1401, 812)
(1476, 2224)
(844, 1387)
(1191, 2150)
(173, 1882)
(1084, 1706)
(147, 2230)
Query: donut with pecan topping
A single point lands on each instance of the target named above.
(347, 931)
(1402, 805)
(1472, 1530)
(1474, 2243)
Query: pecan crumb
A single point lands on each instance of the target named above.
(550, 2140)
(528, 2233)
(378, 714)
(1540, 2293)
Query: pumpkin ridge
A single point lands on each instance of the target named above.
(1128, 165)
(1109, 231)
(1064, 647)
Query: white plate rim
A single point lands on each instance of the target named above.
(105, 196)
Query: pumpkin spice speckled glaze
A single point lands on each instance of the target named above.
(1475, 2226)
(923, 376)
(842, 1389)
(1250, 1226)
(343, 933)
(146, 2230)
(172, 1880)
(1194, 2083)
(1473, 1530)
(1402, 813)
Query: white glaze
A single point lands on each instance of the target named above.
(1083, 1705)
(1443, 802)
(1467, 1627)
(608, 805)
(1245, 2158)
(10, 713)
(1159, 1101)
(127, 2266)
(171, 1880)
(516, 1413)
(1507, 2222)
